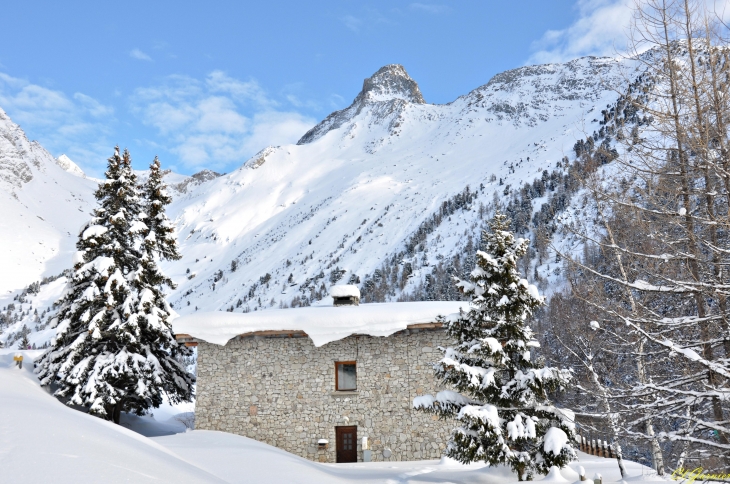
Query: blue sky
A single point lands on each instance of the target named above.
(208, 84)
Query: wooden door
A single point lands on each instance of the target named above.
(346, 439)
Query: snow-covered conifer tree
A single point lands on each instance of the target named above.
(153, 311)
(24, 342)
(160, 234)
(106, 356)
(502, 401)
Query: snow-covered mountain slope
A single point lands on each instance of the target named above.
(43, 202)
(389, 193)
(356, 191)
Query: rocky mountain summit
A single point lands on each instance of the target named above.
(390, 82)
(189, 183)
(390, 88)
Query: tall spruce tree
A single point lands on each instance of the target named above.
(112, 349)
(502, 401)
(160, 234)
(153, 311)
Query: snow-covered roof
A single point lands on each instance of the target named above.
(345, 290)
(322, 324)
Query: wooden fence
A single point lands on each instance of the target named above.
(597, 447)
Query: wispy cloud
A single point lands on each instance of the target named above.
(351, 22)
(139, 55)
(429, 7)
(600, 29)
(336, 101)
(218, 121)
(295, 93)
(77, 125)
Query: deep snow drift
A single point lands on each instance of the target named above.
(42, 440)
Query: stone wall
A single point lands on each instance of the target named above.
(281, 391)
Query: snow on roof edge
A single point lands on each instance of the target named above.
(322, 324)
(345, 290)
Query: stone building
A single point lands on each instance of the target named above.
(331, 384)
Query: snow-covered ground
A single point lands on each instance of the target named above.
(42, 440)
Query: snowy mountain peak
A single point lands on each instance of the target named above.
(67, 164)
(390, 82)
(387, 92)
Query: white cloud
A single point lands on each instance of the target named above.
(243, 91)
(276, 128)
(218, 121)
(599, 30)
(139, 55)
(430, 8)
(77, 125)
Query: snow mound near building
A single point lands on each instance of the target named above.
(42, 440)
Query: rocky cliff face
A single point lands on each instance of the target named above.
(17, 155)
(531, 94)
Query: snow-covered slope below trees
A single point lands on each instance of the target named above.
(43, 202)
(377, 193)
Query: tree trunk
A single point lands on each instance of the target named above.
(117, 412)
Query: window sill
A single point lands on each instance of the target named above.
(341, 393)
